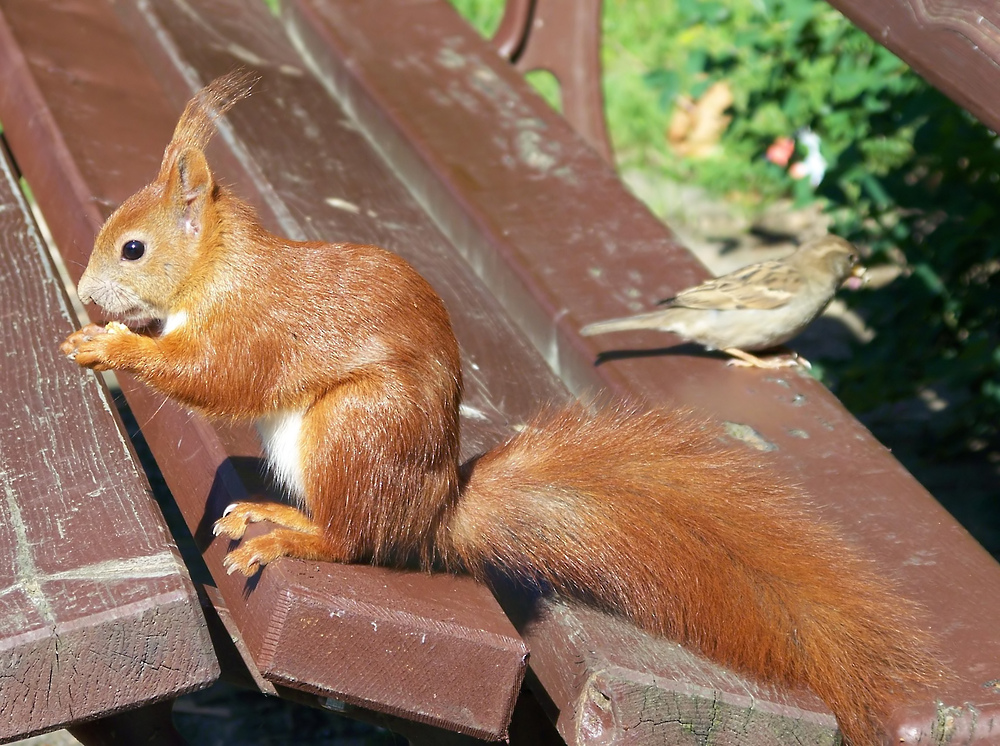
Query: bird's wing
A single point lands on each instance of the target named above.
(759, 286)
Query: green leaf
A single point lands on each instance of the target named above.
(667, 84)
(926, 274)
(873, 187)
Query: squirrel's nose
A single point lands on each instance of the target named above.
(86, 288)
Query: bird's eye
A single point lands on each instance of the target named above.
(133, 250)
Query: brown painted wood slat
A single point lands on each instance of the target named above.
(97, 613)
(564, 38)
(104, 93)
(953, 44)
(562, 243)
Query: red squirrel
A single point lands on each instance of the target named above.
(344, 357)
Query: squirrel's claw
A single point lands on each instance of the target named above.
(88, 346)
(71, 345)
(233, 523)
(243, 560)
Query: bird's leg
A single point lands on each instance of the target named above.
(746, 360)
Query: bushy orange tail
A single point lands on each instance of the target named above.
(650, 515)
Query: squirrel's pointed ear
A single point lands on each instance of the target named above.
(191, 184)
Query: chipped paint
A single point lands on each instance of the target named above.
(26, 573)
(531, 148)
(159, 565)
(597, 721)
(450, 59)
(921, 557)
(245, 55)
(749, 435)
(472, 413)
(343, 204)
(312, 130)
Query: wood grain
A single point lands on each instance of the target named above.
(97, 613)
(367, 636)
(562, 242)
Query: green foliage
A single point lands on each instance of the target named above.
(483, 15)
(938, 323)
(790, 64)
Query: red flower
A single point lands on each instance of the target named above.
(780, 151)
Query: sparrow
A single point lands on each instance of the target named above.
(754, 308)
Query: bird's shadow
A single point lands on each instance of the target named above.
(685, 349)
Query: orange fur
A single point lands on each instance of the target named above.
(697, 542)
(642, 513)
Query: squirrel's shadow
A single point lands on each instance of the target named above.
(237, 479)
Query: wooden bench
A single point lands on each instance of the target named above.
(97, 612)
(393, 123)
(97, 96)
(562, 243)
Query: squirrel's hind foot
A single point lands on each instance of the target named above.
(298, 536)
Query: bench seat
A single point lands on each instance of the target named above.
(436, 650)
(561, 242)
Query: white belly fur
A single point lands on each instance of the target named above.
(279, 434)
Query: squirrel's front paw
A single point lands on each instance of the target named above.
(238, 516)
(72, 344)
(88, 346)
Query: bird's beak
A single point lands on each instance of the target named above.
(857, 279)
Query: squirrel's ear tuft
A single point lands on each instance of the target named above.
(184, 169)
(197, 124)
(190, 185)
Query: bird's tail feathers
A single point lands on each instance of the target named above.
(651, 320)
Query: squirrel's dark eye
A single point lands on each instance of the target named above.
(133, 250)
